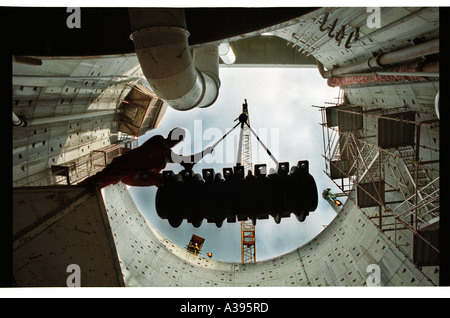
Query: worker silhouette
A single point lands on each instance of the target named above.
(196, 249)
(141, 166)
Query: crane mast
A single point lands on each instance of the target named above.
(248, 238)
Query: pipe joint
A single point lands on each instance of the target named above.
(373, 62)
(18, 121)
(180, 79)
(159, 35)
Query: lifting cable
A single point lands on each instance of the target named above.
(243, 119)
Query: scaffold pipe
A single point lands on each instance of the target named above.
(399, 56)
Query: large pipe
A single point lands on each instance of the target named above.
(410, 53)
(399, 56)
(226, 53)
(412, 74)
(18, 121)
(161, 43)
(206, 61)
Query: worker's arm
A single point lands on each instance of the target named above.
(192, 159)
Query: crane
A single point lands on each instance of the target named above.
(248, 238)
(255, 194)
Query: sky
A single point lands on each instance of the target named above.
(279, 102)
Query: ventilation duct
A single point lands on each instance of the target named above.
(183, 80)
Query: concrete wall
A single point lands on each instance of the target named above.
(394, 33)
(338, 256)
(55, 227)
(66, 86)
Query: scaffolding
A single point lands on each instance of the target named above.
(75, 171)
(376, 156)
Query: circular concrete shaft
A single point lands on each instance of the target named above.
(339, 256)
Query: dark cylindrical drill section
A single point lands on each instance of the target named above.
(232, 197)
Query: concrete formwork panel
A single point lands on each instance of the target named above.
(55, 227)
(338, 256)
